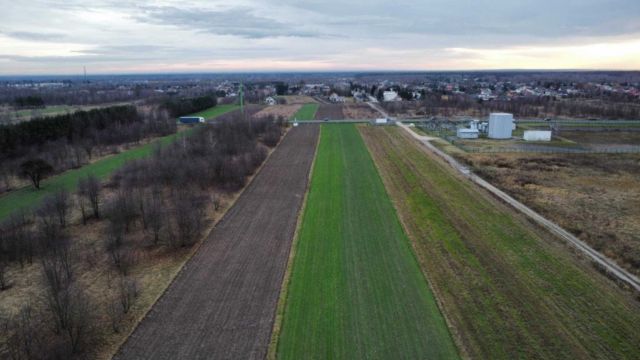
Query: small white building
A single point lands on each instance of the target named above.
(500, 125)
(537, 135)
(464, 133)
(471, 132)
(390, 96)
(270, 101)
(381, 121)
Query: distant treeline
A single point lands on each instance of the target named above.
(29, 101)
(181, 107)
(438, 105)
(73, 126)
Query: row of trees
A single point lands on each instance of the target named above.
(184, 106)
(31, 101)
(78, 125)
(70, 141)
(436, 104)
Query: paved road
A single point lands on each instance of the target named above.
(222, 304)
(606, 263)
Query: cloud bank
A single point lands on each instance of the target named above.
(50, 37)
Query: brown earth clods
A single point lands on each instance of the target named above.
(222, 304)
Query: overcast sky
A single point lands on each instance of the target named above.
(60, 37)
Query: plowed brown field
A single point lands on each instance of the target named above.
(330, 111)
(222, 304)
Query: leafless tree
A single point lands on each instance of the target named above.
(128, 292)
(61, 202)
(154, 216)
(4, 267)
(24, 335)
(17, 239)
(189, 216)
(90, 188)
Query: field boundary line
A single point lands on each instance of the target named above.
(608, 265)
(204, 238)
(272, 351)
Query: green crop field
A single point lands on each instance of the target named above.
(27, 197)
(356, 290)
(306, 112)
(509, 289)
(217, 111)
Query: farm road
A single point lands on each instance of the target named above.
(223, 302)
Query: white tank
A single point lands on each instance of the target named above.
(500, 125)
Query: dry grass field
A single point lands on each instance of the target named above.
(285, 111)
(298, 99)
(594, 196)
(603, 137)
(359, 111)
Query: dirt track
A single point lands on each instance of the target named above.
(222, 304)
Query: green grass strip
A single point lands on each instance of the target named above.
(356, 289)
(216, 111)
(306, 112)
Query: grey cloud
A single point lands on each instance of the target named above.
(34, 36)
(542, 18)
(235, 21)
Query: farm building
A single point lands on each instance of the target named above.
(191, 119)
(537, 135)
(270, 101)
(500, 125)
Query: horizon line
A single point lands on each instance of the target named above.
(293, 71)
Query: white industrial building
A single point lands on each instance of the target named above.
(537, 135)
(390, 96)
(471, 132)
(500, 125)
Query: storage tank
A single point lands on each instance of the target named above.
(500, 125)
